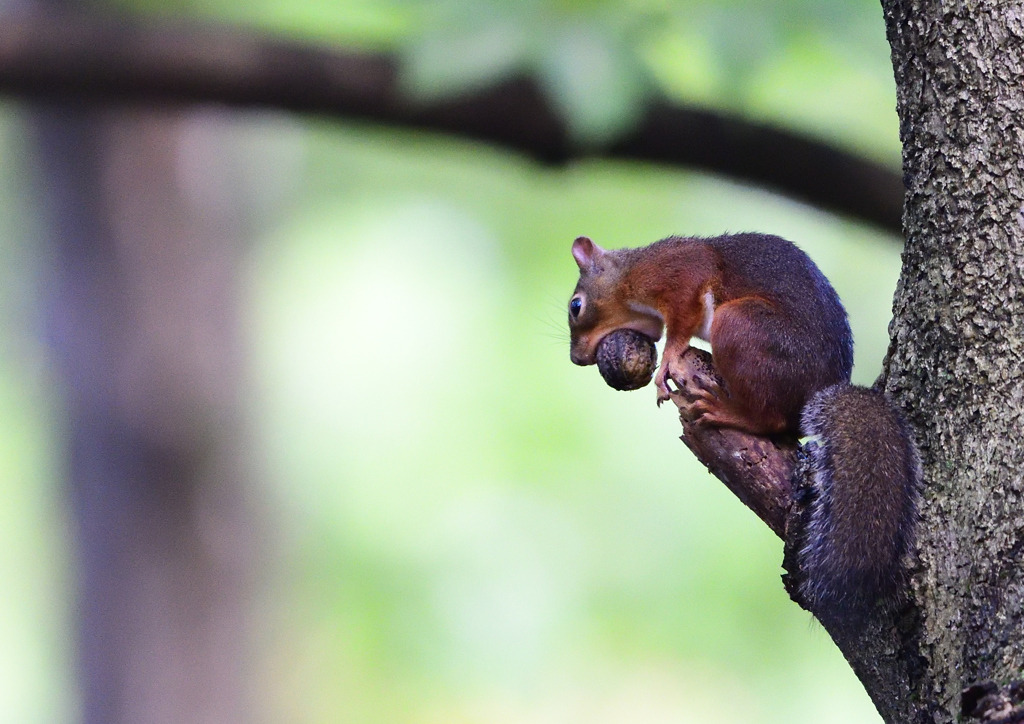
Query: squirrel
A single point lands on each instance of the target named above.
(782, 346)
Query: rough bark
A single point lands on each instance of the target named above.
(141, 315)
(87, 56)
(958, 336)
(759, 471)
(771, 477)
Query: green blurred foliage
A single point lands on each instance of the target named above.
(821, 66)
(36, 680)
(468, 528)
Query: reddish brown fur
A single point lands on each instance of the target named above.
(779, 333)
(781, 343)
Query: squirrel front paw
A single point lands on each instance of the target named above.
(700, 397)
(668, 370)
(660, 382)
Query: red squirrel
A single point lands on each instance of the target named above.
(781, 343)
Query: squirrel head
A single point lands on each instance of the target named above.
(601, 302)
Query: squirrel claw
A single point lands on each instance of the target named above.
(660, 381)
(707, 389)
(700, 411)
(665, 391)
(666, 374)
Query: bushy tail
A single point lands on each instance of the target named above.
(866, 480)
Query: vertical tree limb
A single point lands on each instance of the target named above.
(955, 364)
(142, 312)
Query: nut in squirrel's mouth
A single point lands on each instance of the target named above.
(651, 328)
(626, 359)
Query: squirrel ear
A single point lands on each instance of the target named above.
(585, 252)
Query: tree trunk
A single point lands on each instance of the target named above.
(142, 319)
(955, 363)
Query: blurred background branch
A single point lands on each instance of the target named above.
(105, 58)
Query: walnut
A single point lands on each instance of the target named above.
(626, 359)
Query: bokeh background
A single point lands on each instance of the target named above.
(457, 524)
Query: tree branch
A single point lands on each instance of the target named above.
(120, 59)
(771, 478)
(758, 470)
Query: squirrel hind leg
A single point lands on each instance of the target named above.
(761, 366)
(713, 406)
(708, 403)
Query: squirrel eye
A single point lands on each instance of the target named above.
(575, 306)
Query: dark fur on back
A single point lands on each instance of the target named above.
(800, 336)
(866, 479)
(780, 332)
(820, 339)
